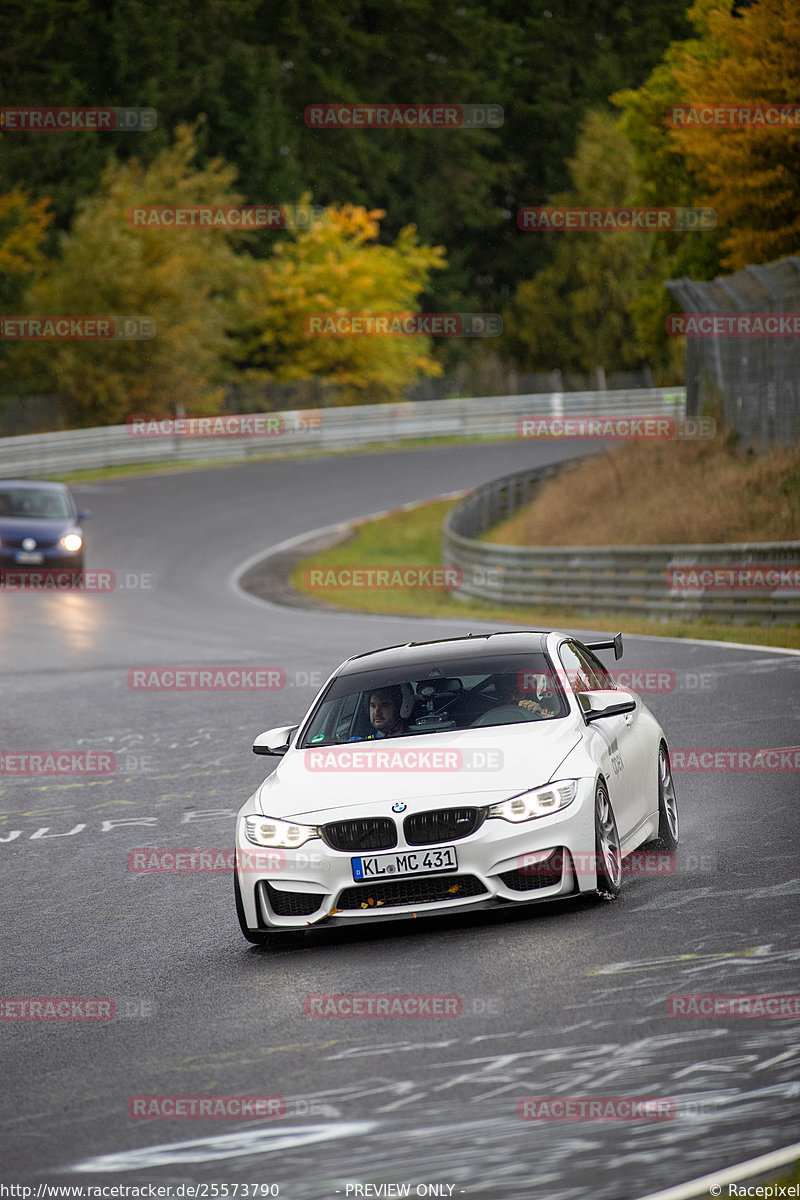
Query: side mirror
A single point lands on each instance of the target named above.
(596, 705)
(275, 741)
(84, 514)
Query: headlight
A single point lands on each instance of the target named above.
(71, 541)
(536, 803)
(266, 831)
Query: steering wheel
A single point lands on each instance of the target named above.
(504, 714)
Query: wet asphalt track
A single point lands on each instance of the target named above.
(564, 1000)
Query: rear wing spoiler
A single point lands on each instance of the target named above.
(615, 644)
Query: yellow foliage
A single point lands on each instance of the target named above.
(212, 303)
(335, 266)
(22, 226)
(747, 57)
(184, 279)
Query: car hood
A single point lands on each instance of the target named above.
(473, 766)
(41, 529)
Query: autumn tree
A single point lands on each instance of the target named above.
(749, 175)
(334, 265)
(749, 56)
(22, 227)
(182, 278)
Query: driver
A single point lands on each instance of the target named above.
(508, 691)
(385, 705)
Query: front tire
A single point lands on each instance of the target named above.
(607, 846)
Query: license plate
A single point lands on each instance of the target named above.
(25, 556)
(409, 862)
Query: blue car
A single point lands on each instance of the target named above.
(40, 527)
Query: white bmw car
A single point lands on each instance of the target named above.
(475, 772)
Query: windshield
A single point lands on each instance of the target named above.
(437, 698)
(30, 502)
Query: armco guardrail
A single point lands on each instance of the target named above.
(735, 582)
(43, 454)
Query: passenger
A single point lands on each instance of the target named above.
(508, 691)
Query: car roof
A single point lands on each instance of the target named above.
(477, 645)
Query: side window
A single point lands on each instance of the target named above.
(345, 715)
(605, 679)
(584, 672)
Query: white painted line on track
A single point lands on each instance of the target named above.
(708, 642)
(765, 1163)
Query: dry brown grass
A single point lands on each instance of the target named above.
(655, 493)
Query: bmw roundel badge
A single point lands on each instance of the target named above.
(399, 807)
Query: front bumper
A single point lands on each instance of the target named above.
(53, 559)
(294, 889)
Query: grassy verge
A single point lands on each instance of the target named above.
(661, 493)
(413, 537)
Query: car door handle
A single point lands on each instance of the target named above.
(628, 719)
